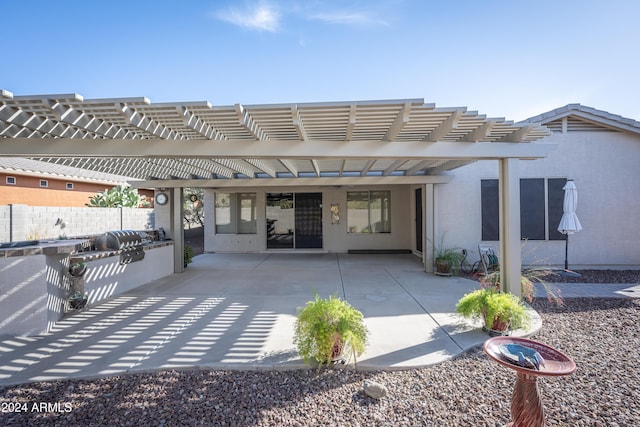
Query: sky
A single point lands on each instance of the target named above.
(504, 58)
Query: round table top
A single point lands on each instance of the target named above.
(556, 363)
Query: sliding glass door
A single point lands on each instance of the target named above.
(294, 221)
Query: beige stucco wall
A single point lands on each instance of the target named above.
(106, 277)
(335, 236)
(604, 166)
(32, 293)
(34, 288)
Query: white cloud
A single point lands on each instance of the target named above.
(348, 18)
(261, 17)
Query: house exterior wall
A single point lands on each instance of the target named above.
(335, 236)
(604, 167)
(27, 191)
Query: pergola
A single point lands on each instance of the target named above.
(194, 144)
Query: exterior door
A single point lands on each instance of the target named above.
(418, 219)
(308, 220)
(280, 221)
(294, 221)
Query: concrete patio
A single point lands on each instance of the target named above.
(237, 311)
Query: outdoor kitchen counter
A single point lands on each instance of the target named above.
(36, 279)
(94, 255)
(75, 247)
(45, 247)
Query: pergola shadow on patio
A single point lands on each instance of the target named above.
(237, 311)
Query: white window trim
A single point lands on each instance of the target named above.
(69, 186)
(46, 183)
(8, 180)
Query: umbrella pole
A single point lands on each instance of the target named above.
(566, 272)
(566, 253)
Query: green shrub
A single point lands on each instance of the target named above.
(326, 326)
(188, 255)
(494, 308)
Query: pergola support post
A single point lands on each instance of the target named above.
(176, 230)
(429, 227)
(509, 205)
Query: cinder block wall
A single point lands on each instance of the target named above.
(22, 222)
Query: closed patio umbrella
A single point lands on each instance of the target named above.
(569, 223)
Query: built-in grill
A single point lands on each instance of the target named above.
(128, 242)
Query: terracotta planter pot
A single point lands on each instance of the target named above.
(443, 267)
(338, 347)
(499, 327)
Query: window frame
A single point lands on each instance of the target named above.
(235, 212)
(385, 212)
(490, 215)
(69, 185)
(8, 180)
(44, 183)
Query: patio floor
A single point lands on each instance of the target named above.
(237, 311)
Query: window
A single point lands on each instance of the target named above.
(369, 211)
(69, 185)
(236, 213)
(555, 202)
(490, 209)
(44, 183)
(532, 209)
(11, 180)
(540, 208)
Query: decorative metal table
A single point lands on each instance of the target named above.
(519, 354)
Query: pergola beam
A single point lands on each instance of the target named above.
(367, 167)
(315, 166)
(242, 149)
(449, 165)
(261, 164)
(191, 120)
(298, 123)
(519, 134)
(352, 121)
(399, 123)
(287, 164)
(245, 119)
(290, 182)
(418, 166)
(139, 120)
(446, 126)
(395, 165)
(481, 132)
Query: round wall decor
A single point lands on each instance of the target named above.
(162, 198)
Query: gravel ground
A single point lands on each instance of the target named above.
(601, 335)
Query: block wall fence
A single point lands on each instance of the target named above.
(23, 222)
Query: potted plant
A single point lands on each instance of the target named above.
(447, 259)
(77, 269)
(188, 255)
(327, 328)
(499, 311)
(78, 300)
